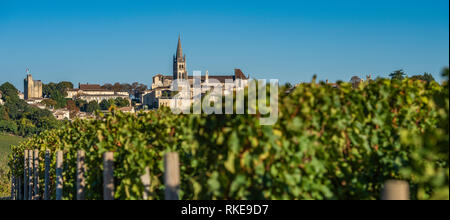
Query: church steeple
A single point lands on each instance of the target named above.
(179, 63)
(179, 49)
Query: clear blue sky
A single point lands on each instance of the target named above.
(127, 41)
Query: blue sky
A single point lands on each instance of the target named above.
(127, 41)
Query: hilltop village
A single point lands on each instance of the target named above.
(67, 102)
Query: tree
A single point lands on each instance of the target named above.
(445, 73)
(50, 103)
(64, 86)
(3, 113)
(19, 118)
(92, 107)
(72, 106)
(108, 86)
(8, 90)
(137, 88)
(105, 105)
(57, 92)
(121, 102)
(288, 85)
(81, 104)
(425, 77)
(117, 87)
(8, 126)
(397, 75)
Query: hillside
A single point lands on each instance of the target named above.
(5, 142)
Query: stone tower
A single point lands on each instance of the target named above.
(179, 63)
(32, 88)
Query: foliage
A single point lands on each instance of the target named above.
(72, 107)
(9, 92)
(19, 118)
(430, 151)
(8, 126)
(328, 143)
(118, 102)
(5, 142)
(425, 77)
(288, 85)
(81, 104)
(92, 106)
(49, 103)
(57, 92)
(397, 75)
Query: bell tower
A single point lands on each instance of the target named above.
(179, 63)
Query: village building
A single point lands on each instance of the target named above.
(129, 109)
(21, 95)
(35, 101)
(1, 100)
(61, 114)
(94, 92)
(83, 116)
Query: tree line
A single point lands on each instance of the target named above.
(400, 75)
(19, 118)
(92, 106)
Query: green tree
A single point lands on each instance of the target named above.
(8, 127)
(49, 103)
(81, 104)
(92, 107)
(427, 77)
(105, 105)
(57, 92)
(397, 75)
(8, 90)
(19, 118)
(121, 102)
(288, 85)
(64, 86)
(3, 113)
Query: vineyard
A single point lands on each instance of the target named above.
(328, 143)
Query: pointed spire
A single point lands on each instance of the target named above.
(179, 49)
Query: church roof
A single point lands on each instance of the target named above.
(239, 74)
(179, 49)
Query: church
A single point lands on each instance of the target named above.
(160, 93)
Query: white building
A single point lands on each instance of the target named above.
(1, 100)
(61, 114)
(94, 92)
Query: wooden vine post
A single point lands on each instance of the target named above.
(13, 181)
(172, 176)
(16, 181)
(395, 190)
(25, 175)
(81, 169)
(19, 191)
(146, 181)
(59, 175)
(36, 175)
(30, 175)
(108, 176)
(47, 175)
